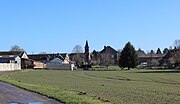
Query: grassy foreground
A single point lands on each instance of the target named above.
(96, 87)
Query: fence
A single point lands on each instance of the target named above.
(55, 66)
(9, 66)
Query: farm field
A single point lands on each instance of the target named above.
(126, 87)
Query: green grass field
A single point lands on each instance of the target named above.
(126, 87)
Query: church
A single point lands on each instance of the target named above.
(87, 53)
(81, 58)
(107, 56)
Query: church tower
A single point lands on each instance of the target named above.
(87, 54)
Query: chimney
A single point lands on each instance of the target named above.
(104, 47)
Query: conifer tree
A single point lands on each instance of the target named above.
(158, 51)
(128, 57)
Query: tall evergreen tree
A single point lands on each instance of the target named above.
(165, 50)
(158, 51)
(128, 57)
(152, 51)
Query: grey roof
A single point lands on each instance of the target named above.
(151, 55)
(108, 49)
(17, 53)
(43, 57)
(7, 58)
(141, 53)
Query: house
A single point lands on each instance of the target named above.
(39, 65)
(151, 59)
(12, 60)
(41, 60)
(171, 59)
(107, 56)
(21, 54)
(60, 64)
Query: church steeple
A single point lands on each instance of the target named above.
(86, 47)
(87, 54)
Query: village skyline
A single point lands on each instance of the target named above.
(81, 49)
(89, 51)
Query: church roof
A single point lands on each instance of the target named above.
(86, 45)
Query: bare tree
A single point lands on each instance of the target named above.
(95, 57)
(77, 57)
(177, 44)
(16, 48)
(176, 52)
(169, 62)
(170, 48)
(177, 57)
(107, 59)
(77, 49)
(154, 62)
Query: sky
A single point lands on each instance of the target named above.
(58, 25)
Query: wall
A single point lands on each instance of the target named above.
(26, 64)
(9, 66)
(56, 66)
(18, 60)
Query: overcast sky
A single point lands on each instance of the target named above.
(59, 25)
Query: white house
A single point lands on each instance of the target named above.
(13, 60)
(59, 64)
(10, 62)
